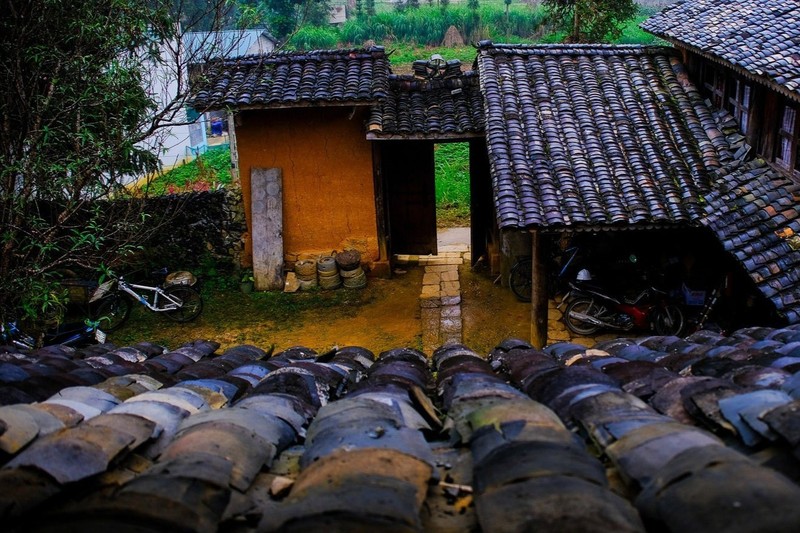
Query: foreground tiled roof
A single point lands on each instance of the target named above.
(435, 108)
(595, 135)
(295, 79)
(656, 434)
(760, 36)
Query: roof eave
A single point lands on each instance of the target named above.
(292, 105)
(736, 68)
(466, 135)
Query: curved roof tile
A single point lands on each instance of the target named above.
(760, 36)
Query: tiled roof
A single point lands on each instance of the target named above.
(434, 108)
(595, 135)
(677, 435)
(755, 216)
(295, 79)
(760, 36)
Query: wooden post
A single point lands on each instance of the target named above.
(266, 204)
(538, 292)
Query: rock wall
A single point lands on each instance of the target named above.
(202, 226)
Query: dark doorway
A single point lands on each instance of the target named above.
(408, 168)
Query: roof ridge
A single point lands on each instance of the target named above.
(574, 48)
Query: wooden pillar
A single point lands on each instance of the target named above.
(384, 252)
(266, 204)
(539, 292)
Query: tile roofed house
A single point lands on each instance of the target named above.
(762, 37)
(295, 79)
(648, 434)
(429, 107)
(593, 135)
(755, 216)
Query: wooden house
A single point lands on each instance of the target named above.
(745, 56)
(563, 138)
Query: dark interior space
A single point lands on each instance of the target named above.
(688, 263)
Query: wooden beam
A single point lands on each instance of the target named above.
(380, 207)
(266, 203)
(539, 292)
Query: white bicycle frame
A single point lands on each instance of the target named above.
(172, 302)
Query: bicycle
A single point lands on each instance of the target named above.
(178, 302)
(520, 278)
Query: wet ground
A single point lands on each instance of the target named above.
(386, 314)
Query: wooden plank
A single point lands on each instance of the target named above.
(539, 292)
(481, 207)
(266, 198)
(380, 205)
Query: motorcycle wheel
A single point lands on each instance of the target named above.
(668, 320)
(112, 312)
(586, 307)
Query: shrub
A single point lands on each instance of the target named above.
(315, 38)
(208, 171)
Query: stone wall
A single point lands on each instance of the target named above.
(201, 226)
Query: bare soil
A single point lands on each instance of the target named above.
(382, 316)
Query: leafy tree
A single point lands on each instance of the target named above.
(283, 17)
(86, 83)
(370, 8)
(592, 20)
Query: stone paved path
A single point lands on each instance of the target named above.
(440, 299)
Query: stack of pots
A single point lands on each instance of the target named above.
(352, 274)
(306, 271)
(328, 273)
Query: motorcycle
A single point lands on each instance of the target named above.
(73, 334)
(591, 308)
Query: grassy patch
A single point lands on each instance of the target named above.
(225, 310)
(633, 34)
(452, 184)
(207, 171)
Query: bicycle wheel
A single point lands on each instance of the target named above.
(112, 312)
(668, 320)
(189, 300)
(582, 306)
(520, 280)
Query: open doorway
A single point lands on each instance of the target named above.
(451, 163)
(452, 185)
(430, 184)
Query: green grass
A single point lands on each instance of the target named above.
(283, 311)
(452, 184)
(208, 171)
(402, 55)
(633, 34)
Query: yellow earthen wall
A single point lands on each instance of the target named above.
(326, 162)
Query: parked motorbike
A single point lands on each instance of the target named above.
(72, 334)
(592, 308)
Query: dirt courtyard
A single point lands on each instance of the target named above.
(384, 315)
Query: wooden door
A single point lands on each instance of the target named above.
(408, 168)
